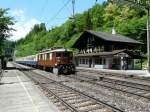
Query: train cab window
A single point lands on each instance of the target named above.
(58, 54)
(65, 54)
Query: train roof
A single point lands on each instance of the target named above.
(55, 50)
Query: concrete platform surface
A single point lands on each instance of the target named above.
(19, 94)
(140, 73)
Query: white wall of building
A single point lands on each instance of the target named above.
(104, 63)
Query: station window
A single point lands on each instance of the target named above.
(84, 61)
(80, 61)
(87, 61)
(104, 61)
(98, 61)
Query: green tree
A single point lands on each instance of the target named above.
(101, 17)
(5, 29)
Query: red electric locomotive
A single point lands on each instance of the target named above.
(59, 61)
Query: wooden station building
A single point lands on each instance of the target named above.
(105, 50)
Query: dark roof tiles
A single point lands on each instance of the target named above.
(113, 37)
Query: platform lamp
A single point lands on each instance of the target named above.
(144, 5)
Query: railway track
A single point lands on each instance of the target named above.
(74, 100)
(120, 100)
(119, 82)
(142, 91)
(133, 77)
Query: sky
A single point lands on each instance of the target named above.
(27, 13)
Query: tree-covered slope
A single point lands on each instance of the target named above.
(101, 17)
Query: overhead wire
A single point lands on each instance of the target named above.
(44, 7)
(54, 17)
(69, 10)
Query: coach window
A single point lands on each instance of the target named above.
(43, 56)
(40, 56)
(58, 54)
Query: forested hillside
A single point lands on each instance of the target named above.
(101, 17)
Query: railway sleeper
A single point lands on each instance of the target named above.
(102, 110)
(59, 90)
(69, 95)
(77, 101)
(62, 93)
(89, 108)
(85, 104)
(147, 94)
(61, 107)
(71, 98)
(59, 104)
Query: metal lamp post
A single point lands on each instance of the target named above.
(148, 37)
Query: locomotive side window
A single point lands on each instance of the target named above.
(47, 57)
(51, 55)
(44, 56)
(58, 54)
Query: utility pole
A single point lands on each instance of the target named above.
(96, 1)
(144, 5)
(148, 37)
(73, 8)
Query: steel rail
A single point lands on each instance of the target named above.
(121, 81)
(110, 87)
(83, 94)
(60, 99)
(92, 98)
(117, 75)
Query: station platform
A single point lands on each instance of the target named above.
(19, 94)
(140, 73)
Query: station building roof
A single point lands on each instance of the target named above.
(106, 37)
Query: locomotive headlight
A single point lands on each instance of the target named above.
(71, 61)
(58, 60)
